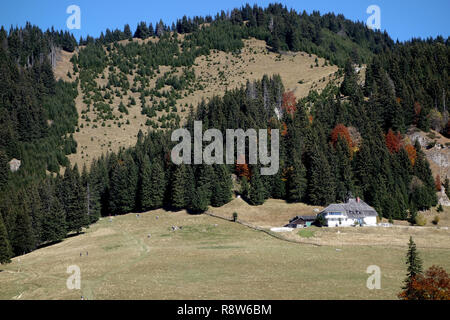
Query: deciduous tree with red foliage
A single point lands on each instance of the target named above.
(438, 183)
(435, 285)
(289, 102)
(242, 170)
(393, 141)
(341, 131)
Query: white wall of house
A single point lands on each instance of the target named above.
(344, 221)
(370, 221)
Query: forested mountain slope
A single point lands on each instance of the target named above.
(344, 136)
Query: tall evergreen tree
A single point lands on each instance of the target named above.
(22, 235)
(178, 194)
(54, 226)
(222, 186)
(156, 185)
(5, 248)
(297, 182)
(256, 192)
(74, 200)
(414, 264)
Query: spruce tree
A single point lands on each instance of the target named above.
(74, 200)
(256, 192)
(22, 235)
(414, 264)
(178, 194)
(297, 182)
(54, 226)
(156, 187)
(3, 170)
(5, 248)
(200, 199)
(123, 186)
(321, 184)
(222, 186)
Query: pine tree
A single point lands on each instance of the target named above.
(321, 185)
(178, 195)
(5, 248)
(22, 235)
(297, 182)
(200, 199)
(74, 200)
(206, 178)
(54, 226)
(414, 264)
(123, 187)
(156, 186)
(256, 192)
(344, 183)
(3, 170)
(222, 186)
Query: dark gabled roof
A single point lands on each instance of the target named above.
(304, 218)
(353, 209)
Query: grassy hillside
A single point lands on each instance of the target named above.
(208, 259)
(213, 74)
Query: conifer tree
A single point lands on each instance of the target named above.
(297, 182)
(178, 195)
(321, 185)
(256, 191)
(5, 248)
(222, 186)
(74, 200)
(3, 170)
(200, 201)
(54, 226)
(156, 186)
(22, 235)
(344, 183)
(124, 181)
(414, 265)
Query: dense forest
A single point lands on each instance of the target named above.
(345, 140)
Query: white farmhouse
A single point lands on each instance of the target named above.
(353, 212)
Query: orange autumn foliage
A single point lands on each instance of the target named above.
(393, 141)
(285, 130)
(341, 131)
(412, 153)
(434, 285)
(242, 170)
(289, 102)
(437, 183)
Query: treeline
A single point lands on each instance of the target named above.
(37, 119)
(329, 36)
(416, 74)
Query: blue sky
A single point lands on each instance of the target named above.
(402, 19)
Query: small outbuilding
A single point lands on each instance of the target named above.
(301, 222)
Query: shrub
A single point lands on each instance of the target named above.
(436, 220)
(421, 220)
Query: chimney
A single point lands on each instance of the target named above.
(358, 200)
